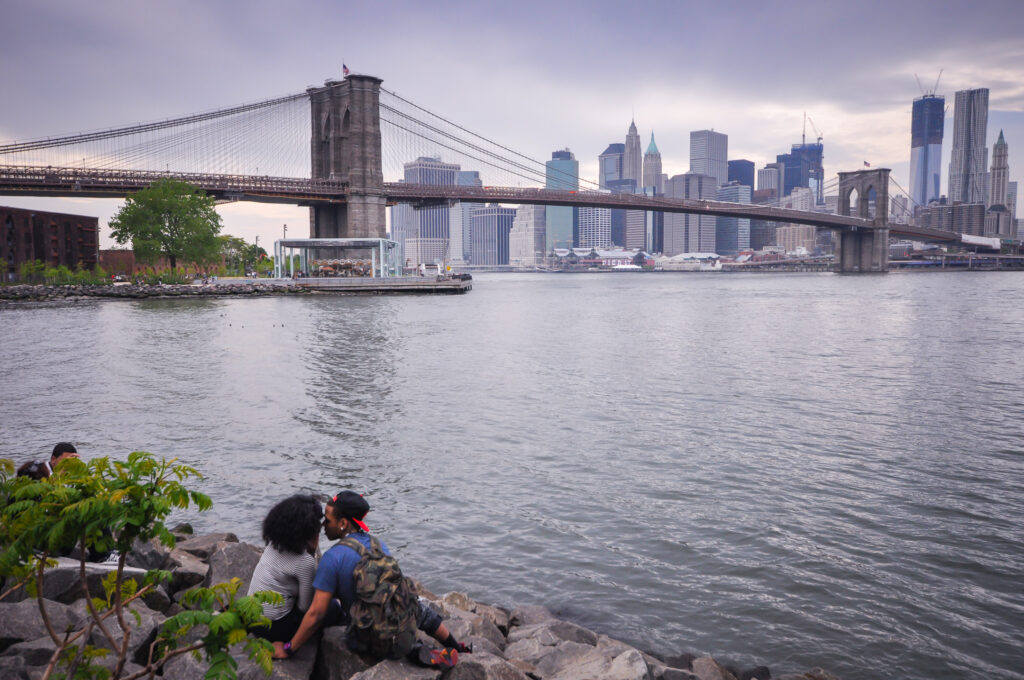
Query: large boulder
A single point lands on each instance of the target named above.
(553, 631)
(148, 555)
(335, 661)
(21, 621)
(188, 570)
(706, 668)
(483, 666)
(596, 664)
(203, 546)
(397, 670)
(142, 630)
(34, 652)
(530, 614)
(230, 560)
(13, 668)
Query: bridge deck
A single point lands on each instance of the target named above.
(53, 181)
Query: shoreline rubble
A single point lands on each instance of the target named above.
(47, 293)
(526, 643)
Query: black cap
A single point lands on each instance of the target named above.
(350, 505)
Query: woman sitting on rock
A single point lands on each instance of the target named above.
(291, 531)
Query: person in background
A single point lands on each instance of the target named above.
(291, 531)
(41, 469)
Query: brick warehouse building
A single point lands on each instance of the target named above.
(55, 238)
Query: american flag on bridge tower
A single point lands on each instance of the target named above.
(344, 69)
(866, 164)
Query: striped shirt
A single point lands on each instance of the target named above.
(287, 573)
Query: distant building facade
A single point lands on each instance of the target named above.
(56, 239)
(632, 159)
(459, 238)
(686, 233)
(527, 239)
(652, 168)
(968, 162)
(610, 165)
(926, 130)
(742, 171)
(732, 234)
(709, 154)
(425, 231)
(595, 229)
(490, 226)
(802, 167)
(562, 172)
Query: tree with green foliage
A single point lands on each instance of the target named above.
(239, 256)
(103, 505)
(170, 218)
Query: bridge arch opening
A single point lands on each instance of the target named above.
(853, 202)
(872, 198)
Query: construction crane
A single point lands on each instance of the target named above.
(934, 89)
(815, 128)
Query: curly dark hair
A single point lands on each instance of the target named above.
(291, 523)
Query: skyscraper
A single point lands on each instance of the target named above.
(459, 238)
(926, 129)
(563, 173)
(803, 168)
(969, 159)
(652, 168)
(631, 158)
(526, 241)
(732, 234)
(742, 171)
(490, 229)
(595, 230)
(998, 219)
(709, 154)
(610, 165)
(1000, 172)
(427, 229)
(684, 233)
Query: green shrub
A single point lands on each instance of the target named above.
(107, 505)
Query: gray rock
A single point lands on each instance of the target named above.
(158, 600)
(552, 632)
(34, 652)
(335, 661)
(530, 614)
(565, 655)
(13, 668)
(148, 555)
(233, 560)
(142, 631)
(483, 666)
(182, 530)
(203, 546)
(188, 570)
(706, 668)
(572, 661)
(21, 621)
(465, 625)
(397, 670)
(499, 617)
(756, 673)
(459, 601)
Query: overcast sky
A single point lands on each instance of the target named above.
(536, 76)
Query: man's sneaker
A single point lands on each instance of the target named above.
(438, 658)
(465, 648)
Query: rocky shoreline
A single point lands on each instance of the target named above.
(43, 293)
(526, 643)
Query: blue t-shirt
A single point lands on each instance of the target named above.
(334, 574)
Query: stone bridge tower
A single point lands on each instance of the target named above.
(858, 249)
(346, 147)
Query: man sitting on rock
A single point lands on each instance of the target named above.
(340, 573)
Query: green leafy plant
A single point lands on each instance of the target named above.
(104, 505)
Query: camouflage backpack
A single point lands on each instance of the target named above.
(385, 610)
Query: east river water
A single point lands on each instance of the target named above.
(791, 470)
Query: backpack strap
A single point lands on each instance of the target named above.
(351, 542)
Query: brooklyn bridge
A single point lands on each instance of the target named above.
(331, 147)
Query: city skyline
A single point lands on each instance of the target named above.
(858, 88)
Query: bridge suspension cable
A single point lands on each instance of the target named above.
(429, 131)
(268, 138)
